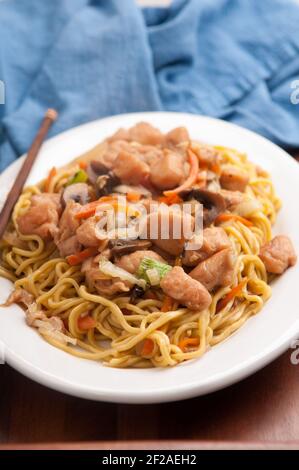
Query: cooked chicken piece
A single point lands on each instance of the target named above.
(168, 229)
(19, 296)
(217, 270)
(132, 261)
(66, 238)
(207, 155)
(102, 284)
(232, 198)
(234, 179)
(167, 172)
(176, 137)
(142, 133)
(213, 239)
(41, 218)
(278, 254)
(111, 153)
(145, 133)
(86, 233)
(129, 168)
(148, 153)
(181, 287)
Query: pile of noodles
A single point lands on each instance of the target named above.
(60, 290)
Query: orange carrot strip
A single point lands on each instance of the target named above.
(225, 217)
(89, 209)
(215, 167)
(185, 343)
(167, 304)
(52, 173)
(169, 200)
(194, 167)
(147, 347)
(83, 165)
(78, 258)
(133, 197)
(232, 294)
(86, 323)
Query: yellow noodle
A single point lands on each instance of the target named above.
(60, 290)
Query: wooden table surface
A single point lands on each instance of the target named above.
(263, 407)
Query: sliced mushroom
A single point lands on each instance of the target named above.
(105, 183)
(103, 179)
(95, 169)
(124, 247)
(136, 293)
(213, 203)
(78, 192)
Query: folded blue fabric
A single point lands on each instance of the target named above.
(236, 60)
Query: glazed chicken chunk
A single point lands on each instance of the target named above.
(215, 271)
(234, 179)
(132, 261)
(213, 240)
(278, 254)
(189, 292)
(167, 172)
(41, 218)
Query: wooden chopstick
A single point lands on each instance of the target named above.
(14, 193)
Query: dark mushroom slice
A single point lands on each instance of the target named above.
(124, 247)
(136, 294)
(103, 179)
(95, 169)
(78, 192)
(105, 184)
(213, 203)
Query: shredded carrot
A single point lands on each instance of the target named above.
(194, 167)
(52, 173)
(147, 347)
(86, 323)
(133, 197)
(225, 217)
(83, 165)
(89, 209)
(185, 343)
(78, 258)
(235, 292)
(167, 304)
(215, 167)
(169, 200)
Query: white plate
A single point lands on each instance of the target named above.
(257, 343)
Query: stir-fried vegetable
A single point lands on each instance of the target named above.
(237, 290)
(78, 258)
(145, 348)
(188, 183)
(108, 268)
(167, 304)
(52, 173)
(169, 200)
(225, 217)
(86, 323)
(186, 343)
(152, 271)
(79, 177)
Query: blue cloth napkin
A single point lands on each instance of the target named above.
(232, 59)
